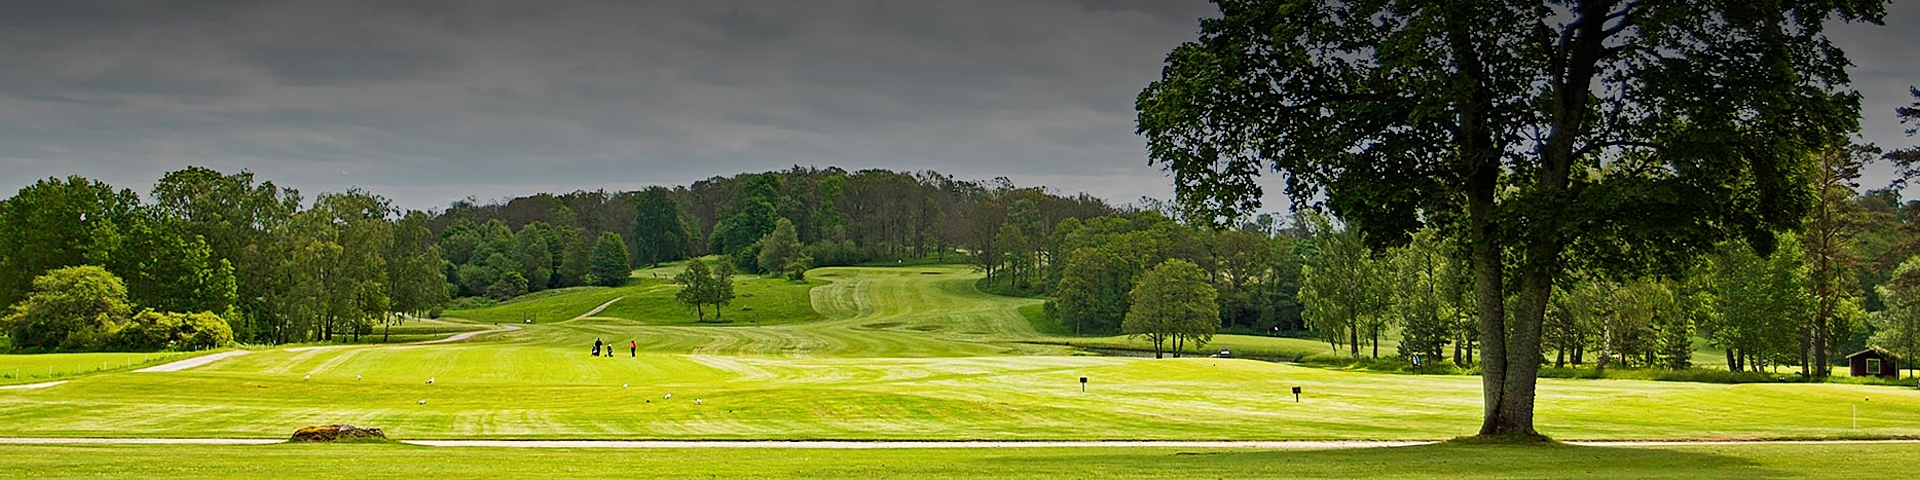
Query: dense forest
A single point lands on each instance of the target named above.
(280, 268)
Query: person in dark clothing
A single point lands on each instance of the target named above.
(596, 347)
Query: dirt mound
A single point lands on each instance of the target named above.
(337, 433)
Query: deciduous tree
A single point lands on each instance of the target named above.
(1593, 134)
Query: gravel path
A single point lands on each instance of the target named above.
(828, 444)
(466, 335)
(597, 310)
(139, 441)
(193, 362)
(31, 386)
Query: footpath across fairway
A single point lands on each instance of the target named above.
(1749, 461)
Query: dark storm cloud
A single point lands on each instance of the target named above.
(428, 102)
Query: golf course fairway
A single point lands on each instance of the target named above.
(908, 353)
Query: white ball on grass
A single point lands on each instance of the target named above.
(423, 402)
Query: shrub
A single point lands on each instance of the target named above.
(71, 308)
(152, 330)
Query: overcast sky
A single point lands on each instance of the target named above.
(430, 102)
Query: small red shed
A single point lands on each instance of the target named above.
(1875, 362)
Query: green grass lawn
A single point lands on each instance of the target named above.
(877, 353)
(43, 367)
(1433, 461)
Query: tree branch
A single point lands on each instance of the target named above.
(1596, 147)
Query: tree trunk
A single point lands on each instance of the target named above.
(1353, 338)
(1375, 333)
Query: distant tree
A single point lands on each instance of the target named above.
(779, 248)
(1417, 283)
(170, 269)
(737, 235)
(71, 308)
(660, 231)
(1898, 327)
(1907, 160)
(58, 223)
(575, 258)
(1016, 254)
(1829, 243)
(509, 285)
(414, 276)
(610, 266)
(535, 256)
(1341, 289)
(1760, 304)
(346, 236)
(1173, 302)
(238, 218)
(1084, 297)
(721, 292)
(696, 281)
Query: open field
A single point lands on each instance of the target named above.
(894, 353)
(1432, 461)
(34, 368)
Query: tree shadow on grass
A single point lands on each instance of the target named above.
(1427, 461)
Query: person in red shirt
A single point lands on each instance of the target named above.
(633, 349)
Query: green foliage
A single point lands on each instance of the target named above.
(414, 266)
(1759, 305)
(243, 223)
(660, 232)
(1423, 283)
(72, 308)
(1897, 328)
(153, 331)
(166, 268)
(1343, 289)
(58, 223)
(1616, 137)
(1016, 255)
(738, 233)
(508, 286)
(1173, 303)
(701, 286)
(779, 249)
(610, 265)
(696, 286)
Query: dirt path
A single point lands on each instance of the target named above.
(597, 310)
(466, 335)
(139, 441)
(31, 386)
(193, 362)
(848, 445)
(454, 338)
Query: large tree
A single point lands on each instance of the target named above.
(1173, 302)
(238, 217)
(1611, 135)
(58, 223)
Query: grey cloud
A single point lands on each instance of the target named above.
(429, 102)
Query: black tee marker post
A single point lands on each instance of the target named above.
(1296, 394)
(1083, 384)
